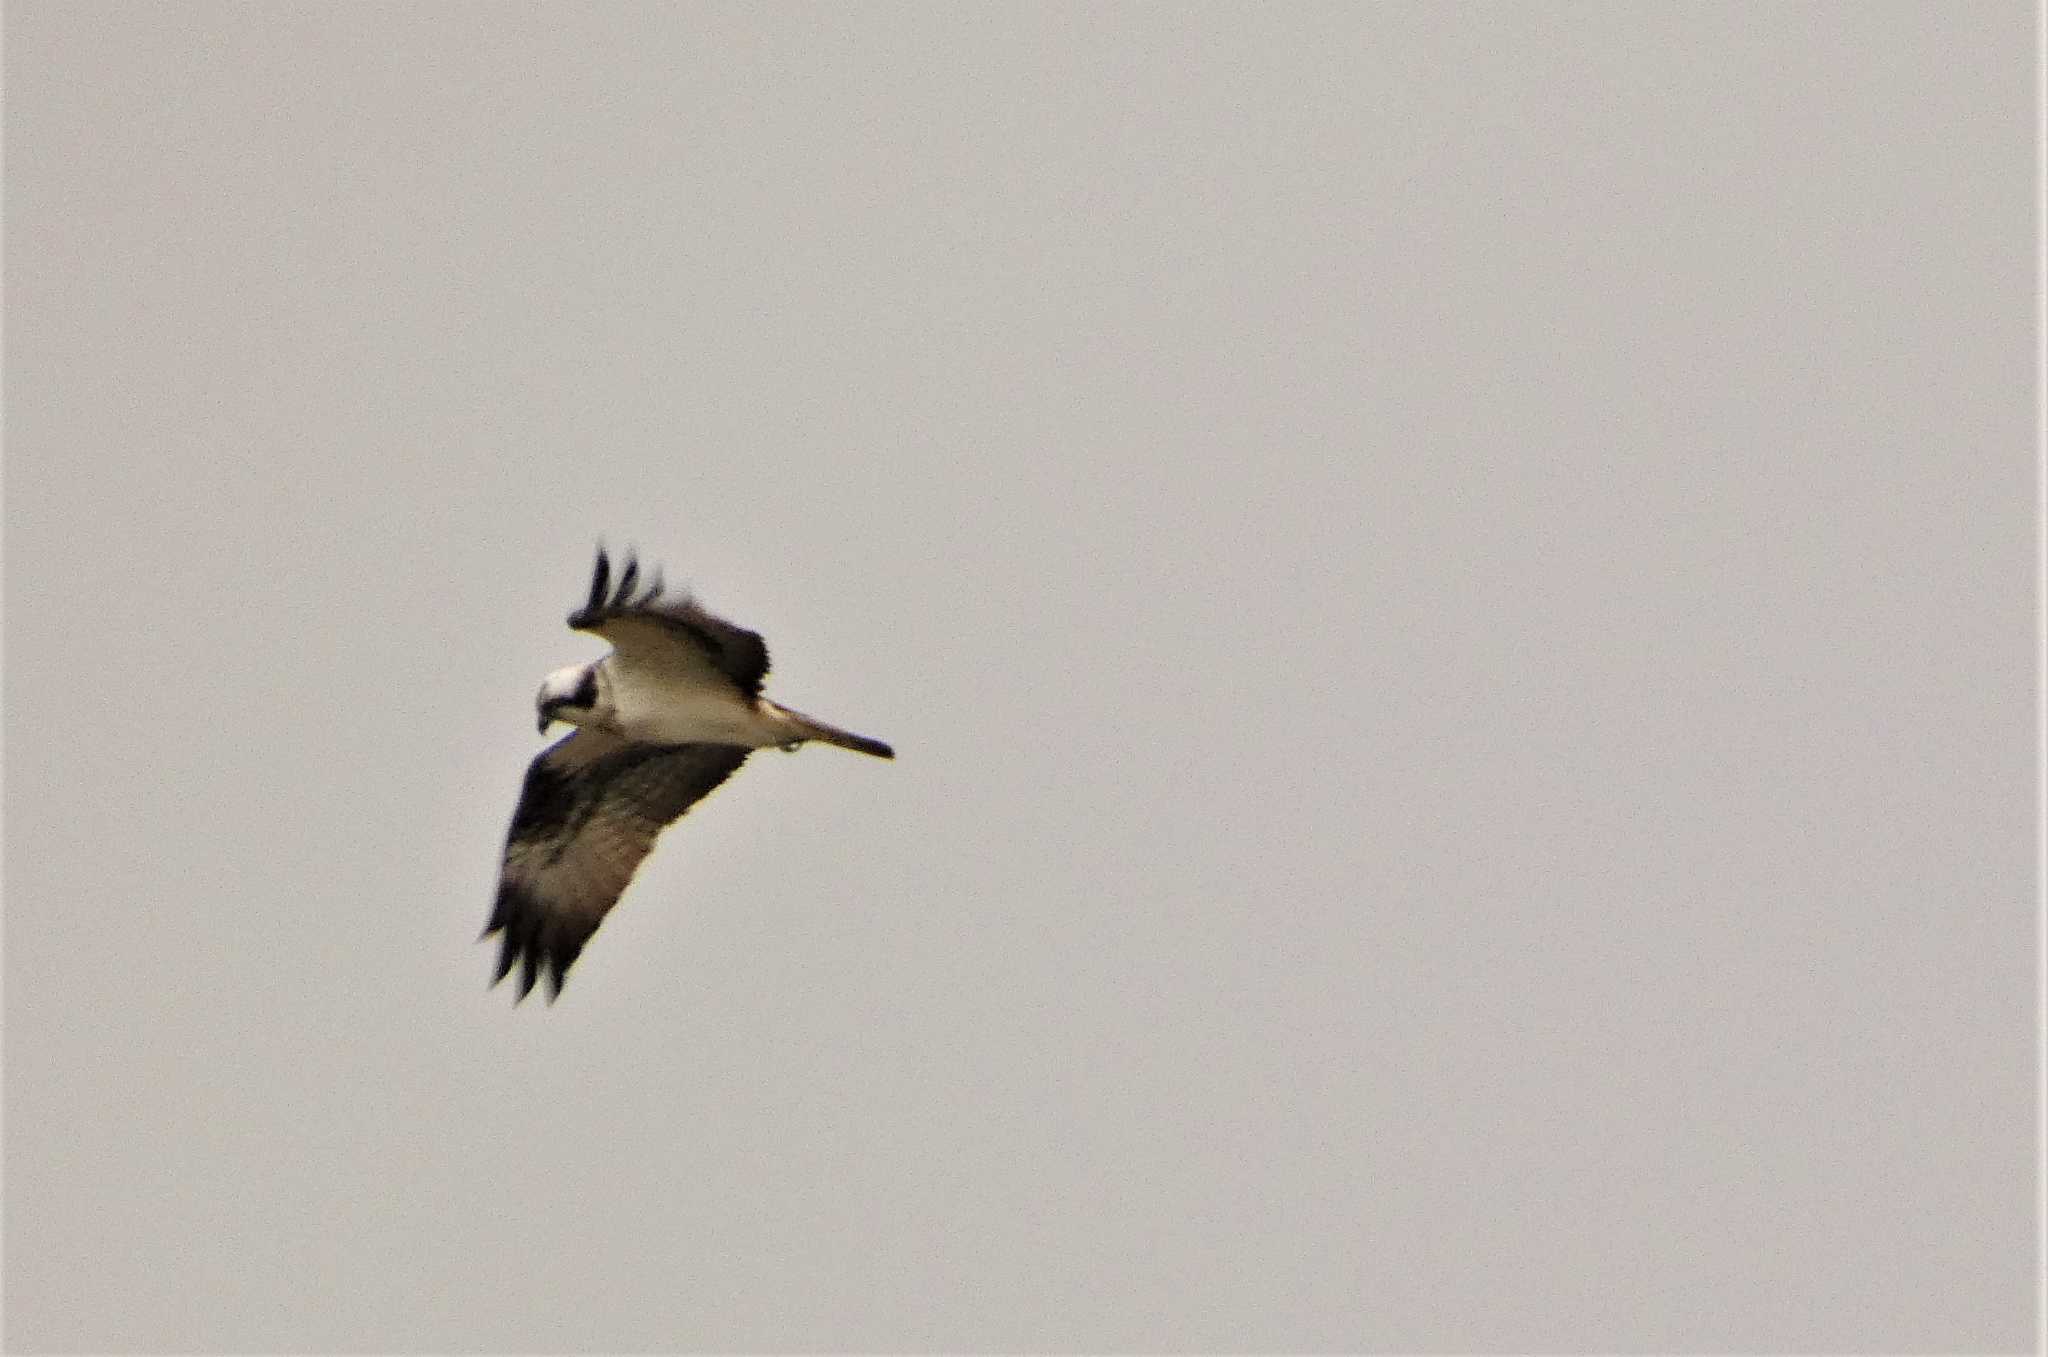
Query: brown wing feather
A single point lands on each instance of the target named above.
(644, 623)
(588, 813)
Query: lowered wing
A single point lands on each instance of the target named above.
(668, 631)
(588, 814)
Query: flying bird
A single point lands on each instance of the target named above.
(661, 721)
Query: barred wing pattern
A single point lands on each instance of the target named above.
(588, 813)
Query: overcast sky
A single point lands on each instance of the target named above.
(1451, 585)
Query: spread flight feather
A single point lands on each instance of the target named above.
(667, 716)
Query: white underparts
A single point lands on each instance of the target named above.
(661, 709)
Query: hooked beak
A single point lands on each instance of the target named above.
(547, 714)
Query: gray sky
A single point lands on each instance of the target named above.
(1451, 584)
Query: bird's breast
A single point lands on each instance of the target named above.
(685, 713)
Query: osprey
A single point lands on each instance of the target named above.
(661, 721)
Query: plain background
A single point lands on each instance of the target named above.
(1452, 584)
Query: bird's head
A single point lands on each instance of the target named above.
(578, 694)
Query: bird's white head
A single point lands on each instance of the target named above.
(579, 694)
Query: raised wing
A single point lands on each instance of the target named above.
(588, 813)
(671, 631)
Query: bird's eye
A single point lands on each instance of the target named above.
(586, 694)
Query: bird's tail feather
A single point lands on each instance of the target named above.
(810, 728)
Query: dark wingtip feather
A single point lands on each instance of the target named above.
(540, 946)
(740, 654)
(600, 592)
(607, 596)
(508, 952)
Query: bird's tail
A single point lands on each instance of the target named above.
(810, 728)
